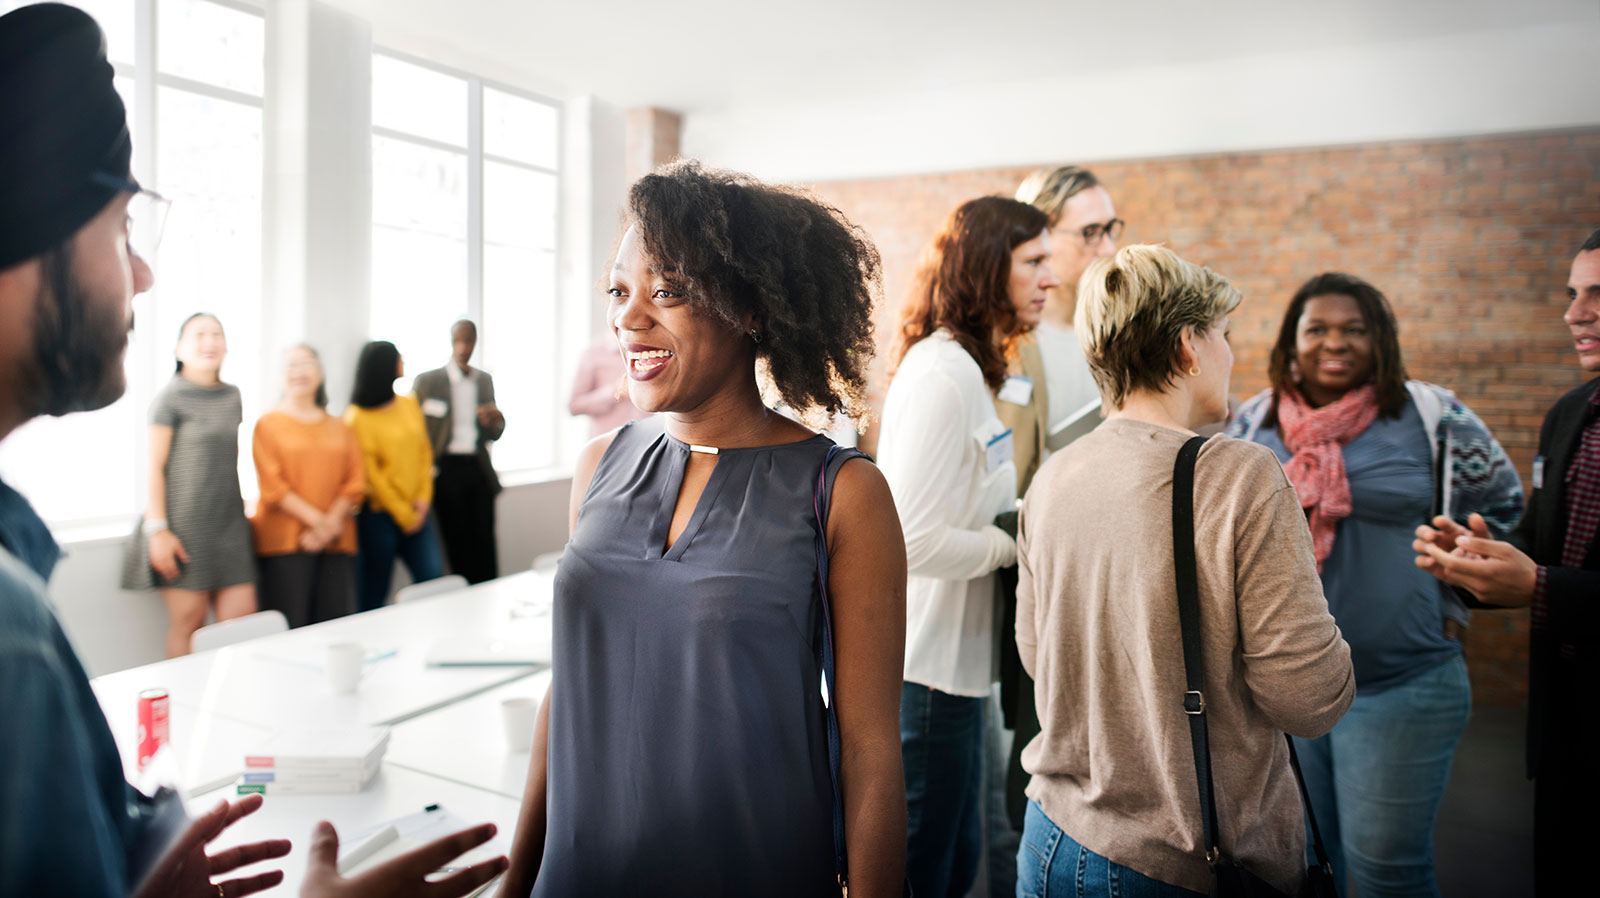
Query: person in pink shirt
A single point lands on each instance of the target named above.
(597, 390)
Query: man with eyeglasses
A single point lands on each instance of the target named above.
(1050, 380)
(1083, 227)
(75, 233)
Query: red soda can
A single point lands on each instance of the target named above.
(154, 728)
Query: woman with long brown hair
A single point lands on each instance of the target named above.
(948, 460)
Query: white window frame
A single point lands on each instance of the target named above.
(145, 72)
(476, 156)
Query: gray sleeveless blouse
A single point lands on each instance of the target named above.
(688, 751)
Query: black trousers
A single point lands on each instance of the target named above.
(1564, 793)
(463, 499)
(1017, 709)
(307, 588)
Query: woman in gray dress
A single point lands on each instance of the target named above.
(194, 542)
(682, 748)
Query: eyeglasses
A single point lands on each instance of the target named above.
(1092, 234)
(147, 215)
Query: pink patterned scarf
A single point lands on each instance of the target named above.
(1317, 436)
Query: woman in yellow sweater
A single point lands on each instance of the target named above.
(394, 521)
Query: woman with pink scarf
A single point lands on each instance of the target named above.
(1372, 455)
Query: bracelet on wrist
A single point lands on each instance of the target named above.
(152, 526)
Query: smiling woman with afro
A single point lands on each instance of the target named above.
(722, 557)
(805, 275)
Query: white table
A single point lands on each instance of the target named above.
(277, 679)
(447, 745)
(432, 742)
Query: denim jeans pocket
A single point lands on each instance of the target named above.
(1040, 839)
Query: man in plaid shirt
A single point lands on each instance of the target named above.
(1551, 563)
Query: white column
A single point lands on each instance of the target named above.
(594, 188)
(318, 198)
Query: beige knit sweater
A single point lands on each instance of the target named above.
(1097, 626)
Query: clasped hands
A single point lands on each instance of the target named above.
(325, 532)
(1470, 558)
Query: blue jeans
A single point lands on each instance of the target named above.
(380, 541)
(1377, 779)
(1051, 864)
(941, 745)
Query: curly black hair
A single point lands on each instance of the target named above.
(808, 275)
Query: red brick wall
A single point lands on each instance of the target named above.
(1471, 239)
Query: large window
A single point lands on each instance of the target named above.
(464, 211)
(191, 73)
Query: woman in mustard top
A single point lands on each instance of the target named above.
(395, 519)
(310, 470)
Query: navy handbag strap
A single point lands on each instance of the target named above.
(820, 499)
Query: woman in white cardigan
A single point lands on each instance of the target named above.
(948, 461)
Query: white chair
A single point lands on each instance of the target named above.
(228, 632)
(429, 588)
(547, 561)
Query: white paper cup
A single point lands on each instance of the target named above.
(343, 663)
(519, 716)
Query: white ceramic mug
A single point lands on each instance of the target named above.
(343, 663)
(519, 716)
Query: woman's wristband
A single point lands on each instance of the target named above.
(152, 526)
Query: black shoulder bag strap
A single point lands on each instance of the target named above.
(820, 499)
(1194, 696)
(1194, 699)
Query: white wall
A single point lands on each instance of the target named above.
(1473, 83)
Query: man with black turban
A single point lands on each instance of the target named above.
(71, 218)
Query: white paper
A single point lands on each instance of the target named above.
(389, 840)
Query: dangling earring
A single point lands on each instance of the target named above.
(1195, 371)
(755, 335)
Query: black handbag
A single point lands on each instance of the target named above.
(1229, 878)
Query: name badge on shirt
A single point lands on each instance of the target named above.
(435, 408)
(1538, 472)
(1017, 390)
(999, 451)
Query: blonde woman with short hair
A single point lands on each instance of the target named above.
(1114, 804)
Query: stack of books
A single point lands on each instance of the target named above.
(318, 761)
